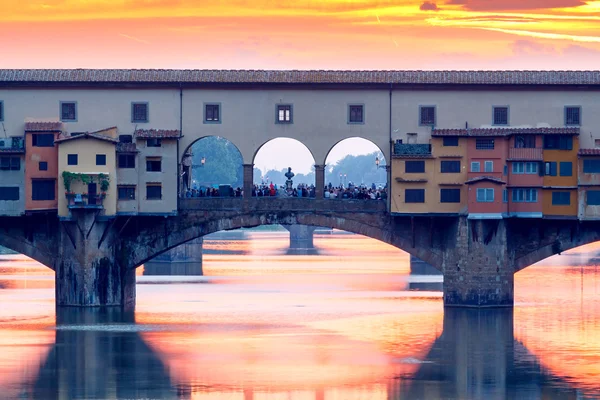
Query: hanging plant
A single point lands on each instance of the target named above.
(68, 178)
(104, 182)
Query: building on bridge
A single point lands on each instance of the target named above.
(12, 175)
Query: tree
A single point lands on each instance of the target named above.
(357, 170)
(223, 163)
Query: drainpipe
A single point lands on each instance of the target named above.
(389, 163)
(180, 134)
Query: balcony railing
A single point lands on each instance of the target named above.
(412, 150)
(84, 200)
(12, 145)
(525, 154)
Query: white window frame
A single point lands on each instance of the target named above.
(475, 163)
(485, 195)
(485, 166)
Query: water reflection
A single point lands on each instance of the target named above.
(345, 325)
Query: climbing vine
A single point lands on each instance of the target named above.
(70, 177)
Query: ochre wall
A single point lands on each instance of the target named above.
(33, 156)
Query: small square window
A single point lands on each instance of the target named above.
(126, 161)
(42, 140)
(573, 115)
(43, 166)
(153, 192)
(450, 196)
(485, 195)
(484, 144)
(450, 141)
(451, 167)
(561, 198)
(566, 168)
(427, 115)
(100, 159)
(212, 113)
(153, 165)
(1, 110)
(68, 111)
(414, 195)
(475, 166)
(284, 113)
(72, 159)
(139, 112)
(356, 114)
(412, 167)
(153, 142)
(126, 192)
(500, 115)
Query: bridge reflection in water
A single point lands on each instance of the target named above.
(104, 354)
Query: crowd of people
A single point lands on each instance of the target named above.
(359, 192)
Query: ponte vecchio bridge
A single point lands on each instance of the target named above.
(94, 165)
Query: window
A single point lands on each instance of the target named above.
(525, 168)
(125, 138)
(153, 142)
(524, 195)
(561, 198)
(414, 195)
(43, 189)
(139, 112)
(566, 168)
(126, 192)
(450, 195)
(558, 142)
(411, 167)
(475, 166)
(9, 193)
(505, 195)
(489, 166)
(550, 168)
(484, 144)
(505, 170)
(72, 159)
(572, 115)
(212, 113)
(8, 163)
(356, 114)
(126, 161)
(284, 114)
(1, 111)
(450, 166)
(153, 164)
(100, 159)
(525, 142)
(593, 198)
(531, 168)
(500, 115)
(591, 166)
(43, 166)
(153, 192)
(42, 140)
(596, 143)
(485, 195)
(451, 141)
(68, 111)
(427, 116)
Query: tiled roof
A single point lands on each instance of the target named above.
(589, 152)
(86, 135)
(294, 76)
(405, 149)
(485, 178)
(450, 184)
(158, 133)
(505, 131)
(41, 126)
(126, 148)
(402, 180)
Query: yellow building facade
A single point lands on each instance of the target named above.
(87, 173)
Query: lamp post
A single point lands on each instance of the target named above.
(345, 180)
(341, 182)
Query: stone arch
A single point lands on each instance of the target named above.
(188, 164)
(371, 225)
(17, 242)
(296, 142)
(376, 173)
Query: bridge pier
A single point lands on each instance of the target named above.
(185, 259)
(319, 181)
(301, 237)
(248, 180)
(89, 271)
(478, 269)
(420, 267)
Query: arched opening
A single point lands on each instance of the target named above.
(212, 166)
(284, 167)
(356, 168)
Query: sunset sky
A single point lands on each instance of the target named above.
(303, 34)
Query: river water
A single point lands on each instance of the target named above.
(349, 323)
